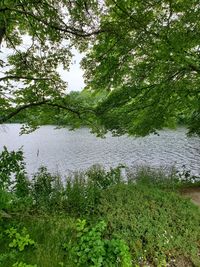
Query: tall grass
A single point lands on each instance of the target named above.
(142, 215)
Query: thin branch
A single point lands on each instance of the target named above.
(12, 44)
(13, 77)
(67, 29)
(35, 32)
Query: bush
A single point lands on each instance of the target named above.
(169, 178)
(46, 190)
(157, 224)
(82, 194)
(93, 249)
(19, 240)
(144, 216)
(13, 181)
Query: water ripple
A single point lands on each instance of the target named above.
(62, 150)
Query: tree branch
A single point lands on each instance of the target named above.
(14, 77)
(66, 29)
(17, 110)
(65, 108)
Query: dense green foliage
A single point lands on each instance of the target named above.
(40, 35)
(94, 250)
(148, 60)
(141, 64)
(96, 219)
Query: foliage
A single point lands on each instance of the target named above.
(168, 179)
(20, 240)
(46, 190)
(40, 39)
(49, 231)
(5, 199)
(10, 163)
(142, 217)
(22, 264)
(141, 64)
(148, 63)
(83, 189)
(94, 250)
(156, 223)
(12, 176)
(103, 179)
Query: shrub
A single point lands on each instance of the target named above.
(13, 245)
(93, 249)
(19, 240)
(83, 189)
(156, 223)
(75, 202)
(102, 179)
(5, 200)
(46, 190)
(10, 163)
(13, 181)
(168, 178)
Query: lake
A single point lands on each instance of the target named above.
(63, 151)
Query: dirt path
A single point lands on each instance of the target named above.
(193, 194)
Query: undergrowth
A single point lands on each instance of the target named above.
(95, 218)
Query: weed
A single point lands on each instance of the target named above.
(156, 224)
(46, 190)
(20, 240)
(93, 249)
(22, 264)
(146, 219)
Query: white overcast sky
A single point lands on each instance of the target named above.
(73, 77)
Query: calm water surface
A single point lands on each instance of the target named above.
(63, 151)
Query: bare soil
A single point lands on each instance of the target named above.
(193, 193)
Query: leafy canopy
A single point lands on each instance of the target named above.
(141, 66)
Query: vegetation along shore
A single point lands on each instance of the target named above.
(141, 63)
(96, 218)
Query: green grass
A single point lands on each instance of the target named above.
(144, 218)
(49, 233)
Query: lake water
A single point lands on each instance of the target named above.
(64, 151)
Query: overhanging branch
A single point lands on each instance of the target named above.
(17, 110)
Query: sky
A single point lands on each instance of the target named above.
(74, 77)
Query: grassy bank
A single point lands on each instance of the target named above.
(95, 218)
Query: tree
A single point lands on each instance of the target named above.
(40, 35)
(149, 63)
(142, 62)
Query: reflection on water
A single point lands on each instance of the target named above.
(62, 150)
